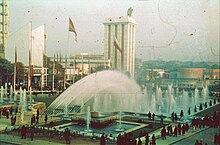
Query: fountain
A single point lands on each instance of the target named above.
(11, 94)
(6, 89)
(15, 95)
(196, 96)
(204, 93)
(24, 99)
(65, 111)
(30, 95)
(21, 96)
(119, 126)
(185, 100)
(153, 103)
(88, 119)
(2, 94)
(170, 99)
(95, 89)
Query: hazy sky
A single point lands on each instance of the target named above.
(166, 29)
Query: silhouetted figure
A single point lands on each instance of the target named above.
(161, 118)
(200, 143)
(102, 140)
(16, 110)
(181, 113)
(45, 119)
(197, 142)
(179, 129)
(172, 117)
(175, 115)
(10, 110)
(37, 119)
(119, 139)
(23, 132)
(149, 115)
(153, 116)
(175, 131)
(163, 133)
(67, 135)
(139, 141)
(38, 112)
(12, 120)
(153, 140)
(32, 134)
(147, 139)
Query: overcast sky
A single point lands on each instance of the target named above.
(166, 29)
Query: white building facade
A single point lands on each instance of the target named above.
(119, 43)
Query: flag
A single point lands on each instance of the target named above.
(72, 28)
(117, 45)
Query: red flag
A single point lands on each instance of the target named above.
(72, 28)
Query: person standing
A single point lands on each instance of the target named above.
(102, 140)
(153, 140)
(45, 119)
(147, 139)
(139, 141)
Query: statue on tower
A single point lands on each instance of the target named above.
(129, 12)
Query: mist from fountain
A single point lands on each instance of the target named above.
(196, 96)
(88, 120)
(24, 99)
(6, 89)
(15, 95)
(177, 92)
(11, 94)
(21, 96)
(2, 94)
(65, 111)
(159, 96)
(170, 99)
(96, 88)
(204, 93)
(185, 100)
(153, 103)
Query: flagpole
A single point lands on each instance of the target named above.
(30, 51)
(53, 73)
(15, 69)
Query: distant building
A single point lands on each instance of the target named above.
(119, 43)
(4, 25)
(190, 73)
(81, 64)
(212, 74)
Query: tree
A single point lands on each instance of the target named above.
(6, 69)
(20, 76)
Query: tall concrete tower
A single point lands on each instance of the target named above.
(4, 25)
(119, 43)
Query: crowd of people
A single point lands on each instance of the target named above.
(8, 111)
(210, 121)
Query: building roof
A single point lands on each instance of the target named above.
(114, 20)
